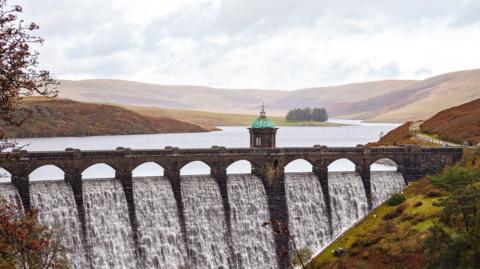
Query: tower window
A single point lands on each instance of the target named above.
(258, 141)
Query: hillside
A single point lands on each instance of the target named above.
(457, 124)
(387, 101)
(427, 230)
(61, 117)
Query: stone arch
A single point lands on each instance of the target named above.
(299, 165)
(148, 169)
(240, 167)
(342, 165)
(47, 172)
(384, 164)
(99, 170)
(5, 175)
(196, 168)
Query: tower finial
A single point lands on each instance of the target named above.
(262, 112)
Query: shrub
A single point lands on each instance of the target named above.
(434, 194)
(417, 204)
(394, 214)
(396, 199)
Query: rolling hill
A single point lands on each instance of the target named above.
(61, 117)
(457, 124)
(381, 101)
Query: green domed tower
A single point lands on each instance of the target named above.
(262, 132)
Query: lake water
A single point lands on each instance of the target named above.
(231, 136)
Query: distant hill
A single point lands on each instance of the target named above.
(457, 124)
(61, 117)
(387, 101)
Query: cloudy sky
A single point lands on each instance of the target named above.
(271, 44)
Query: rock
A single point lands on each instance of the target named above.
(338, 252)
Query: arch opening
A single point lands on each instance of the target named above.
(299, 166)
(5, 176)
(148, 169)
(240, 167)
(195, 168)
(341, 165)
(384, 164)
(47, 172)
(99, 170)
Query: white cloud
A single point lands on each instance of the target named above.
(281, 44)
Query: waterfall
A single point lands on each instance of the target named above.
(108, 225)
(385, 183)
(57, 209)
(109, 233)
(206, 228)
(158, 223)
(308, 218)
(10, 194)
(348, 200)
(253, 244)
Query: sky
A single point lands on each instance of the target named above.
(262, 44)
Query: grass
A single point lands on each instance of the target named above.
(375, 240)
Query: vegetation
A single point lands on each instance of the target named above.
(19, 76)
(457, 124)
(61, 117)
(396, 199)
(307, 114)
(24, 243)
(397, 136)
(437, 226)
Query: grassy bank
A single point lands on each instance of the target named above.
(437, 226)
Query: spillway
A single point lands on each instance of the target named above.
(385, 183)
(158, 224)
(161, 244)
(57, 209)
(206, 227)
(108, 226)
(307, 211)
(252, 242)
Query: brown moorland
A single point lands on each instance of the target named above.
(62, 117)
(456, 124)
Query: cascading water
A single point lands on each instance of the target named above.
(109, 231)
(158, 224)
(307, 211)
(253, 244)
(108, 226)
(206, 228)
(348, 200)
(57, 209)
(10, 194)
(385, 183)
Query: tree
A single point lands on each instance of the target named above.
(24, 243)
(307, 114)
(19, 76)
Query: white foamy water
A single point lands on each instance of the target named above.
(57, 209)
(308, 218)
(206, 227)
(158, 224)
(253, 244)
(348, 199)
(10, 194)
(384, 183)
(108, 225)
